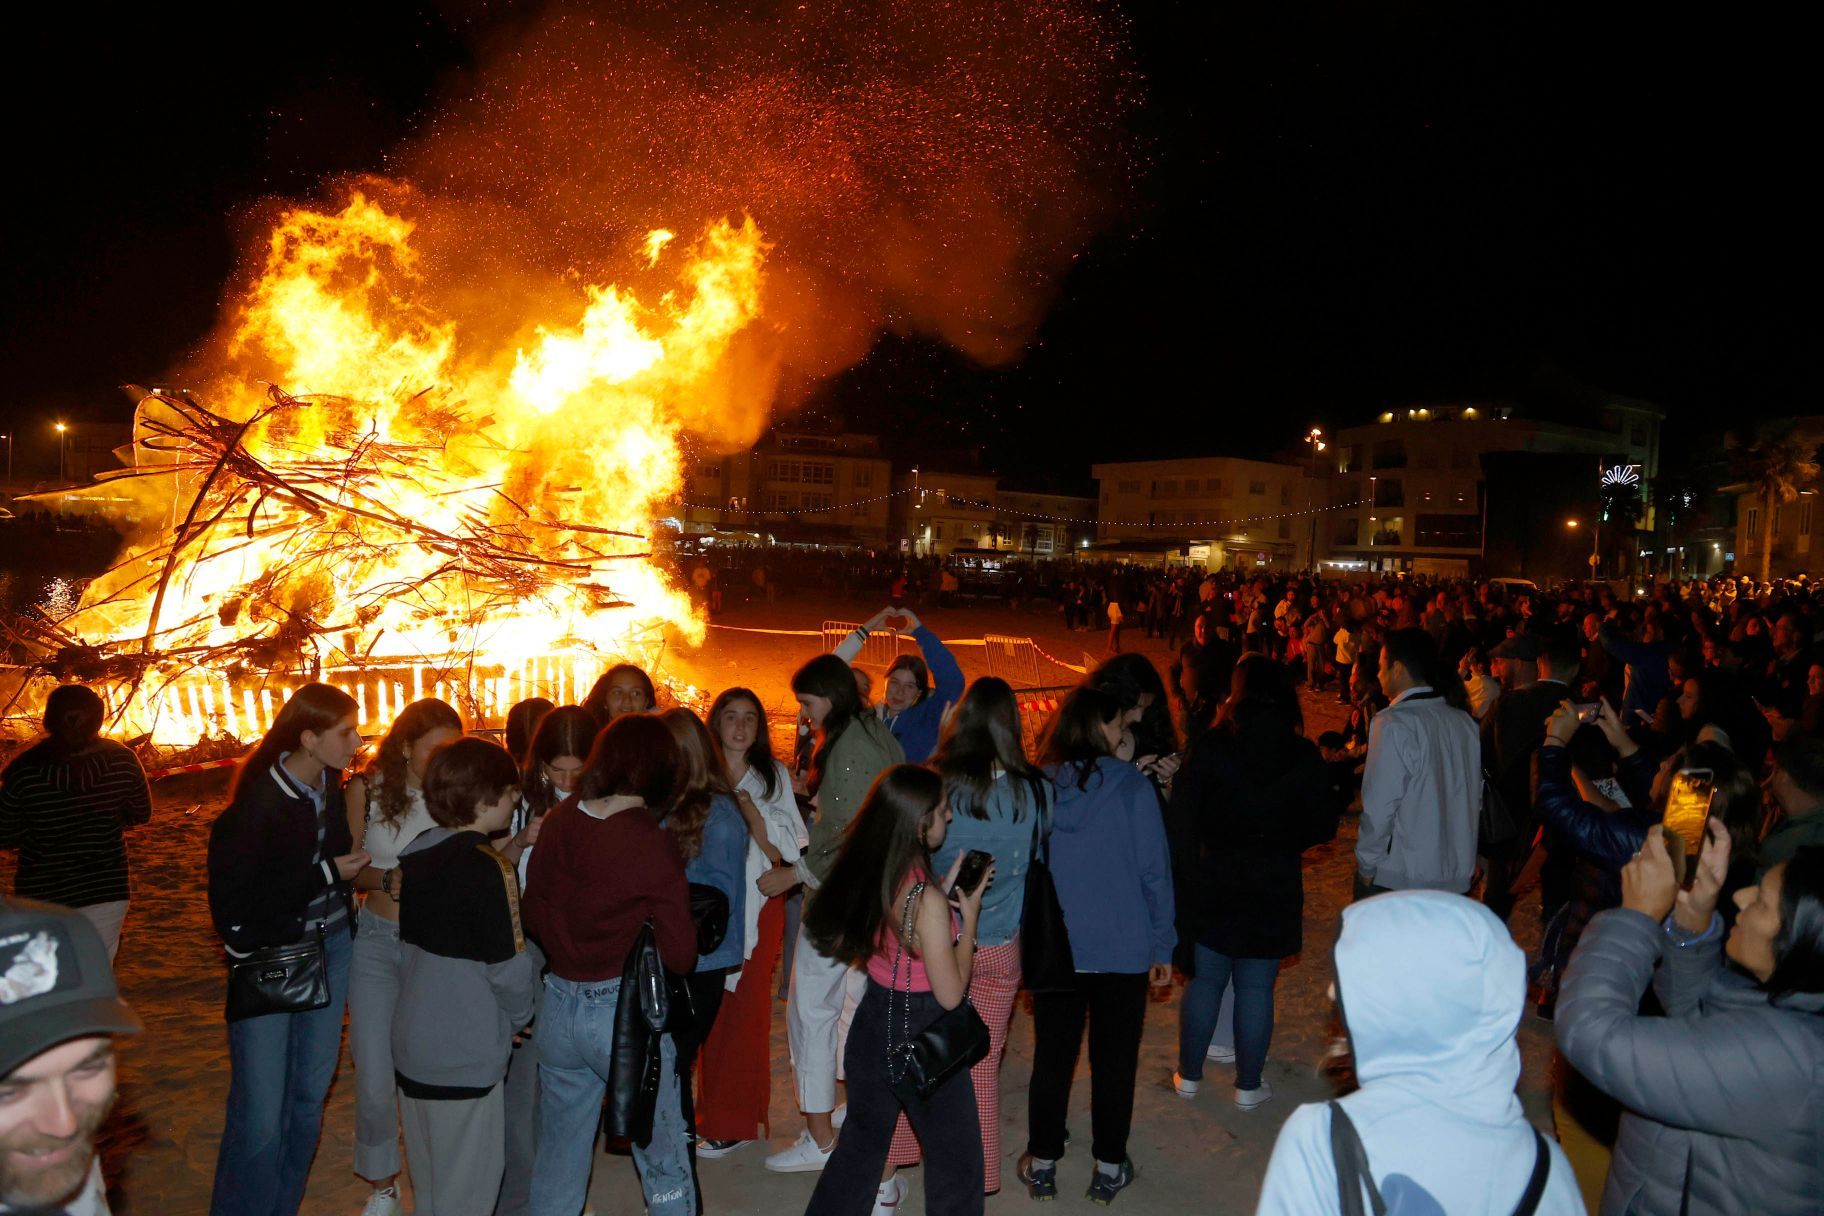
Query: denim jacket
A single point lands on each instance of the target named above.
(723, 865)
(1008, 838)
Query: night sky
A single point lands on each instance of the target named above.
(1336, 208)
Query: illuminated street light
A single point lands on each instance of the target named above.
(1570, 523)
(63, 452)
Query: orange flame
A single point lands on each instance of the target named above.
(542, 453)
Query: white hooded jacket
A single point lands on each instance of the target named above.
(1432, 988)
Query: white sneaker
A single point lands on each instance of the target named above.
(1220, 1054)
(889, 1194)
(805, 1156)
(1184, 1088)
(384, 1202)
(1248, 1099)
(838, 1115)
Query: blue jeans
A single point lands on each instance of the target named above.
(281, 1066)
(575, 1044)
(1254, 979)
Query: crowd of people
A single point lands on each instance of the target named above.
(576, 934)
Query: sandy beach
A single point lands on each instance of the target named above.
(1202, 1156)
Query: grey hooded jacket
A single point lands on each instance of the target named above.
(1724, 1095)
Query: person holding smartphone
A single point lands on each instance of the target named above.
(1000, 807)
(925, 972)
(1723, 1109)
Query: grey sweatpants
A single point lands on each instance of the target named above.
(458, 1150)
(373, 991)
(521, 1106)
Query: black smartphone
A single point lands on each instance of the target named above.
(975, 866)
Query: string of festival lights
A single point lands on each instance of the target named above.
(958, 500)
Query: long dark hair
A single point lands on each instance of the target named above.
(1798, 948)
(702, 776)
(387, 773)
(1262, 714)
(73, 714)
(522, 723)
(828, 677)
(984, 731)
(759, 755)
(883, 848)
(1128, 677)
(597, 700)
(1075, 741)
(314, 708)
(569, 730)
(634, 755)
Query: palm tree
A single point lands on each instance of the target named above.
(1777, 465)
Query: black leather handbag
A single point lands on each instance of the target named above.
(640, 1016)
(918, 1064)
(709, 913)
(1046, 963)
(279, 979)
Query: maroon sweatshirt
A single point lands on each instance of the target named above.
(593, 882)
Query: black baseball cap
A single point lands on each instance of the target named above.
(56, 983)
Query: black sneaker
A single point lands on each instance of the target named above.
(1041, 1184)
(1103, 1188)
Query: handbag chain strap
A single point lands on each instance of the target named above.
(898, 1057)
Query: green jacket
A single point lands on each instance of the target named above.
(864, 750)
(1789, 835)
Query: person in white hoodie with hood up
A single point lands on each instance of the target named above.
(1431, 988)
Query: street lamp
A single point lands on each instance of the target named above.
(9, 460)
(1315, 438)
(63, 451)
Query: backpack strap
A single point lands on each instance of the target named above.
(1535, 1186)
(1351, 1161)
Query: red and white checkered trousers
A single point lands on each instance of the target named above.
(992, 986)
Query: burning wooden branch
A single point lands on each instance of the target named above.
(290, 552)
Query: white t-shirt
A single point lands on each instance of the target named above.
(383, 841)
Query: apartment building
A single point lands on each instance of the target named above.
(1212, 511)
(1417, 476)
(795, 487)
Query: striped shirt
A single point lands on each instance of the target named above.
(327, 907)
(65, 816)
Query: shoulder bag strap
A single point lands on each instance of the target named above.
(898, 1048)
(1351, 1161)
(1535, 1186)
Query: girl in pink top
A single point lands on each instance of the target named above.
(859, 917)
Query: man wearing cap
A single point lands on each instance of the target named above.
(1515, 662)
(59, 1011)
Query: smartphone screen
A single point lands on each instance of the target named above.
(975, 865)
(1586, 711)
(1688, 805)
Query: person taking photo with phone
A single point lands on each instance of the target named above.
(1723, 1094)
(919, 956)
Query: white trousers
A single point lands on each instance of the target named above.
(817, 1015)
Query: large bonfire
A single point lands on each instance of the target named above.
(394, 511)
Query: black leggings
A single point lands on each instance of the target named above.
(947, 1125)
(1114, 1004)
